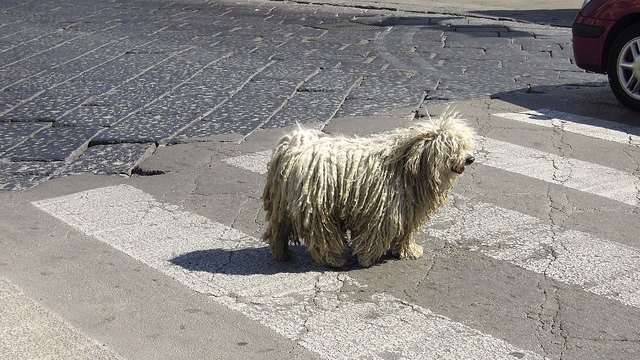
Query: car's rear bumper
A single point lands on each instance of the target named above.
(589, 39)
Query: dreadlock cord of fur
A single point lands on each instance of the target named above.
(380, 189)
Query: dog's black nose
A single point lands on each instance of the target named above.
(469, 160)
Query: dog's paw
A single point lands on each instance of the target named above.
(365, 262)
(333, 260)
(335, 263)
(411, 252)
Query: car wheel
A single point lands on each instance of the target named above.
(623, 67)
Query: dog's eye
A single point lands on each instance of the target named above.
(469, 160)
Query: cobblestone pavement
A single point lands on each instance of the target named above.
(95, 86)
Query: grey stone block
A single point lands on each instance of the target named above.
(49, 105)
(110, 159)
(25, 175)
(13, 133)
(145, 128)
(17, 182)
(47, 168)
(336, 80)
(96, 115)
(53, 144)
(306, 107)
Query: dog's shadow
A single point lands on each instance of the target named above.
(255, 261)
(250, 261)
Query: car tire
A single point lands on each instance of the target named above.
(623, 67)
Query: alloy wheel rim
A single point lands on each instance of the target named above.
(629, 68)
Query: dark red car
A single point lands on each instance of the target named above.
(606, 39)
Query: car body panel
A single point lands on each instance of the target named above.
(610, 9)
(603, 17)
(589, 51)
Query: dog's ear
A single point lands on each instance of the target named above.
(414, 156)
(419, 153)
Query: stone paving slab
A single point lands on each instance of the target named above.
(52, 144)
(17, 182)
(23, 175)
(160, 72)
(32, 167)
(49, 105)
(116, 159)
(307, 107)
(146, 128)
(13, 133)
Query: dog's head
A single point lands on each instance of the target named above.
(457, 140)
(443, 149)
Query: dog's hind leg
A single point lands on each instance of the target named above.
(278, 235)
(408, 249)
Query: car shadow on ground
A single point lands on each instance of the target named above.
(556, 17)
(593, 100)
(441, 23)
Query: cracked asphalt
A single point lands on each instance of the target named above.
(134, 136)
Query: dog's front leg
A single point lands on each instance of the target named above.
(368, 249)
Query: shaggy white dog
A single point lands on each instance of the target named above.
(370, 194)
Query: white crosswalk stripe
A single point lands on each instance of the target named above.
(599, 266)
(571, 173)
(583, 125)
(256, 162)
(305, 303)
(304, 306)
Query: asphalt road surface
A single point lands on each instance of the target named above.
(134, 142)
